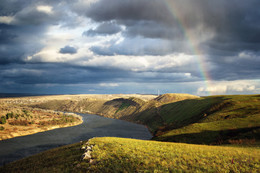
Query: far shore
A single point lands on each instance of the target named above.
(42, 129)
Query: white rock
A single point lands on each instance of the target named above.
(86, 156)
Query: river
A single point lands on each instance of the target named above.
(92, 126)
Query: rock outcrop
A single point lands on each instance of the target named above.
(86, 156)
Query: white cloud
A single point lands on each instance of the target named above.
(45, 9)
(141, 63)
(22, 71)
(218, 89)
(109, 84)
(246, 55)
(230, 87)
(241, 88)
(6, 19)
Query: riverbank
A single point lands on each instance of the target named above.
(17, 119)
(35, 129)
(92, 126)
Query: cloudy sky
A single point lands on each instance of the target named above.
(200, 47)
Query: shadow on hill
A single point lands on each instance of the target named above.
(161, 119)
(120, 101)
(215, 137)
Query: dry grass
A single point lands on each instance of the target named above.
(22, 120)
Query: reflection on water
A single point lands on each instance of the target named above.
(93, 126)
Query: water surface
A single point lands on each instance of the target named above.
(92, 126)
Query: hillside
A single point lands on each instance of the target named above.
(126, 107)
(129, 155)
(180, 117)
(212, 120)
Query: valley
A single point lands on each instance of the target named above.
(226, 127)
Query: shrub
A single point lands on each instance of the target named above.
(9, 115)
(3, 120)
(26, 113)
(17, 116)
(2, 128)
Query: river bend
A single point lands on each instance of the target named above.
(92, 126)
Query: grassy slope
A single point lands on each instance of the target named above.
(129, 155)
(215, 120)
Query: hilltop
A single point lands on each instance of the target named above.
(170, 97)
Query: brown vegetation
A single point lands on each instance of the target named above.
(17, 119)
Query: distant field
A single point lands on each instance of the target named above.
(129, 155)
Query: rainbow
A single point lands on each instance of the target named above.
(200, 59)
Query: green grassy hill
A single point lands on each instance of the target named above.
(212, 120)
(181, 117)
(129, 155)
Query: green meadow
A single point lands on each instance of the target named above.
(130, 155)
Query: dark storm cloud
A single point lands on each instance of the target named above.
(21, 37)
(148, 18)
(6, 36)
(242, 66)
(18, 42)
(127, 10)
(27, 13)
(8, 7)
(139, 47)
(234, 26)
(33, 74)
(232, 21)
(106, 28)
(151, 29)
(68, 50)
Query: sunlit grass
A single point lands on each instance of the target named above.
(211, 120)
(211, 132)
(129, 155)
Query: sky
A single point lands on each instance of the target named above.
(200, 47)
